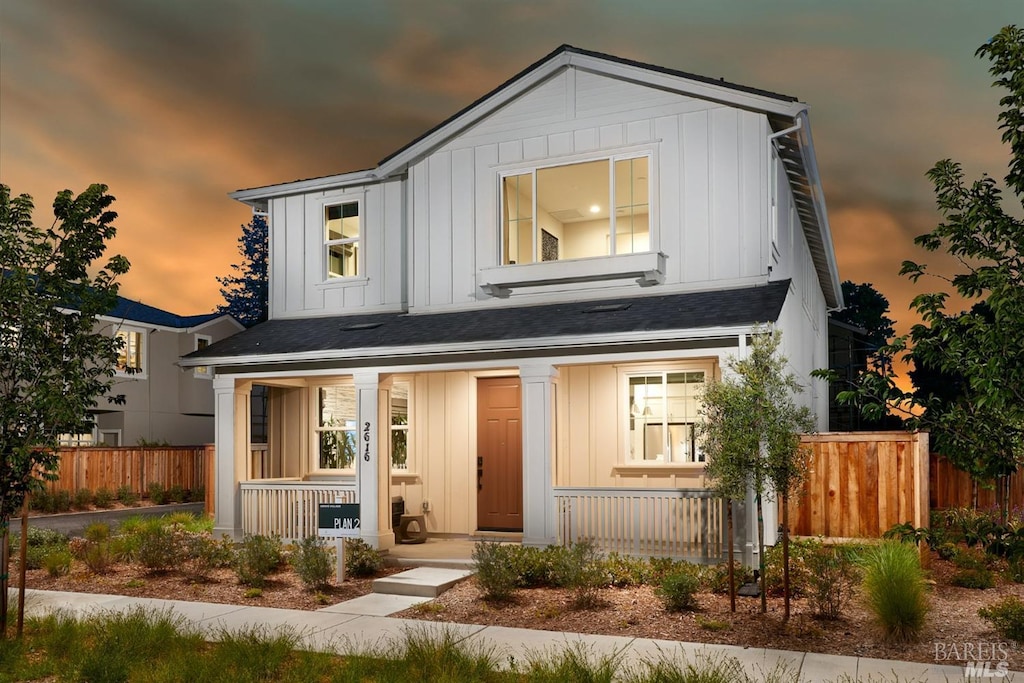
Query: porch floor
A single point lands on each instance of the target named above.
(451, 553)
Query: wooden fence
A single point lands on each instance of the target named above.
(135, 467)
(951, 488)
(862, 483)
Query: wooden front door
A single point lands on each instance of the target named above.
(499, 462)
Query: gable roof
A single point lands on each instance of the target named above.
(138, 312)
(786, 115)
(580, 325)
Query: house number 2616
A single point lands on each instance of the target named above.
(366, 441)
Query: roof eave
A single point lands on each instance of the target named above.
(257, 197)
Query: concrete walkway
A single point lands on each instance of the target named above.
(363, 623)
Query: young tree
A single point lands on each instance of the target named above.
(751, 435)
(245, 292)
(983, 345)
(53, 362)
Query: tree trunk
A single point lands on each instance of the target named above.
(785, 555)
(22, 565)
(974, 494)
(760, 553)
(4, 562)
(732, 572)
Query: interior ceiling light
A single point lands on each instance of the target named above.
(594, 208)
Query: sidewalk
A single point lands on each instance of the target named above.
(363, 623)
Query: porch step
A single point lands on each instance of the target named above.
(425, 582)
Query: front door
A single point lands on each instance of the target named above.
(499, 462)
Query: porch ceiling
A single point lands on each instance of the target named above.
(348, 334)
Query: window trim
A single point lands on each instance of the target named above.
(315, 430)
(611, 157)
(143, 353)
(326, 244)
(627, 464)
(202, 371)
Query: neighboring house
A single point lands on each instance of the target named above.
(158, 401)
(509, 320)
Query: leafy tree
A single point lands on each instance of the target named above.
(982, 429)
(866, 308)
(751, 435)
(245, 292)
(53, 361)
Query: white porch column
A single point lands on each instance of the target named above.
(231, 439)
(538, 401)
(373, 411)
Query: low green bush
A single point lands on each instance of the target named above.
(82, 499)
(126, 496)
(496, 573)
(895, 589)
(256, 558)
(96, 532)
(581, 569)
(1015, 570)
(104, 498)
(202, 553)
(831, 580)
(947, 551)
(61, 501)
(979, 579)
(157, 493)
(361, 559)
(678, 590)
(159, 549)
(799, 574)
(197, 495)
(626, 570)
(717, 577)
(177, 494)
(312, 562)
(1006, 617)
(969, 558)
(57, 562)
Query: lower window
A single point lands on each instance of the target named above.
(336, 428)
(663, 414)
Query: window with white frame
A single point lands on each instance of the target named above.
(335, 429)
(663, 413)
(576, 210)
(400, 425)
(203, 341)
(131, 354)
(342, 233)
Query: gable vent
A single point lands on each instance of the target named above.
(606, 308)
(360, 326)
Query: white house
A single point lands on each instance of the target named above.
(508, 321)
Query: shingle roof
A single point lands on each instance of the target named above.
(685, 311)
(136, 311)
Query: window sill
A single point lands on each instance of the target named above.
(658, 468)
(336, 282)
(647, 268)
(404, 477)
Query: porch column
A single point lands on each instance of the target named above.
(373, 406)
(538, 383)
(231, 439)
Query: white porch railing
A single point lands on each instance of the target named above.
(681, 523)
(288, 507)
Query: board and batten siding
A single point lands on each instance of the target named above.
(298, 287)
(709, 210)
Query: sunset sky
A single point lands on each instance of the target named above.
(173, 104)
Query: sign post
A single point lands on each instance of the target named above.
(340, 521)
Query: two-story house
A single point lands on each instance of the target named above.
(509, 320)
(156, 400)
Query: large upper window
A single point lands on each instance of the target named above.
(578, 210)
(336, 427)
(130, 358)
(663, 412)
(342, 234)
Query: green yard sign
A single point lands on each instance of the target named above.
(338, 520)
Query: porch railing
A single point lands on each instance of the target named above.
(288, 507)
(681, 523)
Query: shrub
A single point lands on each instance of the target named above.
(979, 579)
(41, 542)
(312, 562)
(158, 549)
(198, 494)
(718, 576)
(1006, 617)
(256, 558)
(104, 498)
(894, 586)
(495, 572)
(361, 559)
(97, 532)
(1015, 570)
(626, 570)
(176, 494)
(126, 496)
(969, 558)
(582, 569)
(202, 554)
(82, 499)
(57, 562)
(947, 551)
(678, 590)
(61, 501)
(799, 574)
(157, 494)
(832, 578)
(96, 556)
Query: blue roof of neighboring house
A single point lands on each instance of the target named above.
(136, 311)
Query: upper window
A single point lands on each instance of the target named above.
(663, 412)
(202, 341)
(400, 426)
(336, 427)
(578, 210)
(342, 234)
(130, 358)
